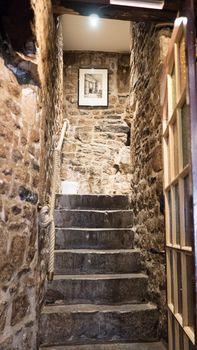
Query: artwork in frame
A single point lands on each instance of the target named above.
(93, 87)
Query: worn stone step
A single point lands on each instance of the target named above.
(66, 324)
(81, 238)
(112, 346)
(116, 128)
(97, 289)
(86, 261)
(93, 218)
(103, 202)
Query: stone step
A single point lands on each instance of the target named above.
(86, 261)
(80, 238)
(67, 324)
(97, 289)
(103, 202)
(116, 128)
(113, 346)
(93, 218)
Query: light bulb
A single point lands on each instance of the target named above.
(94, 19)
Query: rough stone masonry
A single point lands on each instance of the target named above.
(148, 50)
(96, 151)
(31, 116)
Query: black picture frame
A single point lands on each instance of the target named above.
(93, 87)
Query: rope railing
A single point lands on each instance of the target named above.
(47, 212)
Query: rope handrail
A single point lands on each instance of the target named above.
(47, 212)
(65, 127)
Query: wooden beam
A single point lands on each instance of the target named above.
(105, 10)
(172, 5)
(169, 4)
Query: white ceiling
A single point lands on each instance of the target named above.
(110, 35)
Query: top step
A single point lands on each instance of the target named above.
(77, 201)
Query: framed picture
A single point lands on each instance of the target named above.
(93, 87)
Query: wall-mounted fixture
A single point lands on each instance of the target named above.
(153, 4)
(94, 20)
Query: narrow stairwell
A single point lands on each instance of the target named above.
(97, 299)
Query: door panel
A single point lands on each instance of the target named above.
(178, 193)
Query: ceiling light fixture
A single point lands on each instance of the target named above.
(94, 20)
(153, 4)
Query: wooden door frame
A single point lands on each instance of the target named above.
(188, 11)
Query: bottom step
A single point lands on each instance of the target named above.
(73, 324)
(134, 346)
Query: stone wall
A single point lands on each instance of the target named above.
(31, 116)
(149, 47)
(96, 151)
(50, 68)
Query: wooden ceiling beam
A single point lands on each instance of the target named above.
(172, 5)
(85, 7)
(169, 4)
(105, 10)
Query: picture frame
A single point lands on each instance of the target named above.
(93, 87)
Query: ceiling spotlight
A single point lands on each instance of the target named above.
(94, 19)
(152, 4)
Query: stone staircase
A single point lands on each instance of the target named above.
(97, 299)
